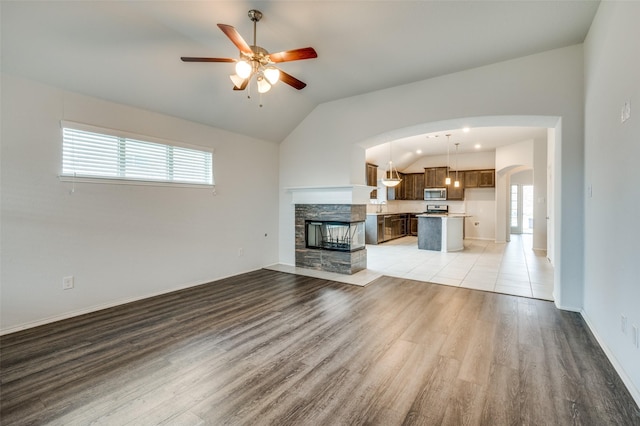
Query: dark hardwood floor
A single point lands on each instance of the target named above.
(273, 348)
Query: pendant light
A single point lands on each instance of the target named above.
(447, 181)
(391, 177)
(457, 182)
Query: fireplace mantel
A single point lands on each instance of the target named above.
(335, 194)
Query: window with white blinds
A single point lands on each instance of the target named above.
(111, 155)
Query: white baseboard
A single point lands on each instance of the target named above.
(565, 307)
(633, 390)
(100, 307)
(479, 238)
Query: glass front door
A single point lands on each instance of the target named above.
(521, 209)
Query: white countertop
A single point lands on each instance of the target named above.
(448, 216)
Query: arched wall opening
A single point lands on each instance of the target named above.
(537, 155)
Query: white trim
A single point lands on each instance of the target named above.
(565, 308)
(635, 392)
(131, 181)
(101, 307)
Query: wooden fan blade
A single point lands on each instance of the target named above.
(291, 81)
(293, 55)
(236, 38)
(191, 59)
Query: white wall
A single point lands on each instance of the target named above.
(325, 148)
(612, 153)
(540, 195)
(524, 163)
(480, 205)
(120, 242)
(510, 159)
(517, 154)
(524, 177)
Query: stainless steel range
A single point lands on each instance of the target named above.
(437, 209)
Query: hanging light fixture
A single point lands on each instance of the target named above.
(456, 184)
(447, 181)
(391, 177)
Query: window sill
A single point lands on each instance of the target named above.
(138, 182)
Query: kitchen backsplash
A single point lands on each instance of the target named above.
(408, 206)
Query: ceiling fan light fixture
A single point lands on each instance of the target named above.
(272, 74)
(243, 69)
(237, 80)
(255, 61)
(263, 84)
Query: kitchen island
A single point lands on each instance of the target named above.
(440, 232)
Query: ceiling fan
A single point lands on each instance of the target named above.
(257, 61)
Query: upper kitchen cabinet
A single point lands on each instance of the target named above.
(434, 177)
(372, 179)
(454, 193)
(487, 179)
(479, 179)
(413, 188)
(471, 178)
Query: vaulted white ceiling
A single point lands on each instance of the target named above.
(128, 51)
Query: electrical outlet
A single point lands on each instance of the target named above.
(635, 336)
(240, 252)
(67, 283)
(623, 324)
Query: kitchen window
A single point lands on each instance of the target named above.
(90, 153)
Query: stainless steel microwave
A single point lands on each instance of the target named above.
(435, 194)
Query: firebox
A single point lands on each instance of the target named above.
(337, 236)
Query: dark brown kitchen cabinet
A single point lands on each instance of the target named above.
(372, 179)
(479, 178)
(413, 225)
(413, 188)
(434, 177)
(487, 179)
(454, 193)
(471, 178)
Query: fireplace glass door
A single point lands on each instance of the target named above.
(339, 236)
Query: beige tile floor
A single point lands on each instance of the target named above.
(510, 268)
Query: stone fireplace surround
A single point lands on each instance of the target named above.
(328, 260)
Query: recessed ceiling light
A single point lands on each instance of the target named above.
(466, 129)
(477, 146)
(418, 151)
